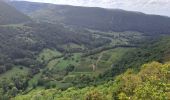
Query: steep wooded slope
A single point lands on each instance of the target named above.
(96, 18)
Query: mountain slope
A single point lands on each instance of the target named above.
(146, 6)
(9, 15)
(96, 18)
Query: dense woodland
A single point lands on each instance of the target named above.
(68, 55)
(96, 18)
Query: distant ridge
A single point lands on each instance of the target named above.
(9, 15)
(96, 18)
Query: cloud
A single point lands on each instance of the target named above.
(161, 7)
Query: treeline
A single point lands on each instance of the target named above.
(98, 50)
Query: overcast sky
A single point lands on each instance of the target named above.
(161, 7)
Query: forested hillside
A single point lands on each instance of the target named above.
(96, 18)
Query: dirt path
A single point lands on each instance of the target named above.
(96, 64)
(99, 58)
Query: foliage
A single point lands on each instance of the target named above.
(152, 50)
(150, 83)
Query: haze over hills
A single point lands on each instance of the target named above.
(9, 15)
(159, 7)
(96, 18)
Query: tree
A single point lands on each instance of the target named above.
(94, 95)
(150, 83)
(14, 91)
(123, 96)
(70, 68)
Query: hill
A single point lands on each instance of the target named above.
(96, 18)
(9, 15)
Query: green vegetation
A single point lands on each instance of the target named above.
(67, 70)
(17, 70)
(48, 54)
(67, 60)
(152, 82)
(153, 50)
(46, 60)
(63, 69)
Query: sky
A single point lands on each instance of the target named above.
(159, 7)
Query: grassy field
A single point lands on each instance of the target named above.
(103, 60)
(62, 63)
(17, 70)
(48, 54)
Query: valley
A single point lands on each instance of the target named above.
(60, 52)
